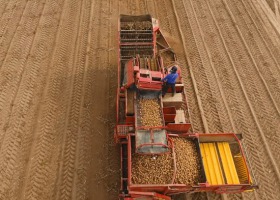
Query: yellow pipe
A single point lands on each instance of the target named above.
(228, 163)
(211, 162)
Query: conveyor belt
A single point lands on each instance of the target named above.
(218, 163)
(211, 163)
(241, 169)
(228, 163)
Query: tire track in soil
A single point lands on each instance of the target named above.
(6, 35)
(216, 59)
(258, 99)
(8, 24)
(261, 45)
(52, 21)
(266, 13)
(262, 48)
(7, 38)
(272, 45)
(210, 112)
(211, 38)
(3, 7)
(10, 144)
(84, 129)
(5, 76)
(197, 13)
(266, 61)
(255, 49)
(252, 129)
(65, 186)
(193, 62)
(43, 166)
(26, 102)
(195, 112)
(273, 68)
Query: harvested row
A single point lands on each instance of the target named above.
(52, 114)
(14, 140)
(69, 150)
(27, 100)
(100, 178)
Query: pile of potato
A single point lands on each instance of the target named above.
(150, 113)
(147, 169)
(187, 161)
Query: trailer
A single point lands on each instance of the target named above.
(160, 155)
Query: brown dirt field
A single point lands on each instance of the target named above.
(58, 76)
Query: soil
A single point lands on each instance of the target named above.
(58, 77)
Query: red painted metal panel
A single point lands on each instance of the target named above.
(183, 128)
(169, 110)
(169, 118)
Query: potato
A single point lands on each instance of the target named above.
(150, 113)
(147, 169)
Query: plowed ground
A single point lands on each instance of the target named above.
(58, 76)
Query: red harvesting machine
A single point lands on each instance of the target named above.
(160, 155)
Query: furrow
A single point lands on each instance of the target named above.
(4, 22)
(215, 58)
(259, 101)
(84, 130)
(95, 103)
(265, 64)
(231, 48)
(49, 131)
(258, 37)
(272, 41)
(3, 8)
(15, 61)
(248, 40)
(27, 99)
(268, 64)
(66, 186)
(199, 61)
(11, 142)
(10, 33)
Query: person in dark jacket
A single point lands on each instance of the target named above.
(169, 81)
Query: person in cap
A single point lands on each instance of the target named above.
(170, 81)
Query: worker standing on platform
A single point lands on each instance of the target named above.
(169, 81)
